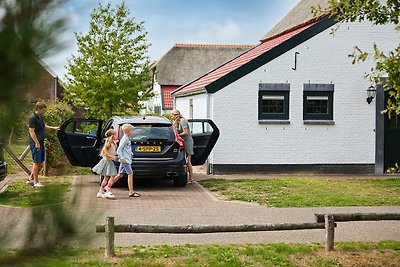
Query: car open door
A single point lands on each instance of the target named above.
(81, 141)
(205, 135)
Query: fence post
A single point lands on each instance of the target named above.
(329, 231)
(109, 230)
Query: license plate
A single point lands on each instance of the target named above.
(148, 149)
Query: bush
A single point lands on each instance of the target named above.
(57, 113)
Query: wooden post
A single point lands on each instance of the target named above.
(109, 230)
(329, 231)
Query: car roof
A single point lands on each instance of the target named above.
(142, 119)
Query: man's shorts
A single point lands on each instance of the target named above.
(125, 168)
(37, 155)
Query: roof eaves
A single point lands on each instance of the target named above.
(275, 52)
(195, 92)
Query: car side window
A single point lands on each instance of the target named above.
(200, 127)
(83, 127)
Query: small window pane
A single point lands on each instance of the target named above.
(273, 106)
(317, 106)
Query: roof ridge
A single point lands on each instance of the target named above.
(308, 22)
(214, 45)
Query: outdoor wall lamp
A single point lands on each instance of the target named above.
(371, 91)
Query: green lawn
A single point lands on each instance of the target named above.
(346, 254)
(309, 192)
(19, 194)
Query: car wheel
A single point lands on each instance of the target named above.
(180, 181)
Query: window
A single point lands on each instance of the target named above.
(318, 102)
(273, 102)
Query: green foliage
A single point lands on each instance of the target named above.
(387, 64)
(307, 192)
(110, 74)
(57, 112)
(25, 33)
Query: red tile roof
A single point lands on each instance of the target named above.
(167, 98)
(266, 45)
(217, 45)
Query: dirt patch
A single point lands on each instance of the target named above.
(365, 258)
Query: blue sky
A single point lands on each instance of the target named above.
(180, 21)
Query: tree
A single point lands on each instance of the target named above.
(387, 64)
(26, 32)
(110, 74)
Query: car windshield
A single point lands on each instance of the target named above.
(149, 132)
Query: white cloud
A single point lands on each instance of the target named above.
(219, 32)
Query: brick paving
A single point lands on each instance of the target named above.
(162, 203)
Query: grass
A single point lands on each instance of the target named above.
(308, 192)
(346, 254)
(19, 194)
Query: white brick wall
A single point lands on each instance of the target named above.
(322, 59)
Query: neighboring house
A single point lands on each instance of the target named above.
(45, 86)
(296, 103)
(183, 63)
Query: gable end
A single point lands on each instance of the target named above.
(275, 52)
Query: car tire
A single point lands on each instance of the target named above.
(180, 181)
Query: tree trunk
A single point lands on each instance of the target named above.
(110, 110)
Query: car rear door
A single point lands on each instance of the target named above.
(205, 135)
(81, 141)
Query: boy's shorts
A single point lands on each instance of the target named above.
(125, 168)
(37, 155)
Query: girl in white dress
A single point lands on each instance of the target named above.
(106, 166)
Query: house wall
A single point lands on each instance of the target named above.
(321, 59)
(199, 106)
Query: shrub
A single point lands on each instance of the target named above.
(57, 112)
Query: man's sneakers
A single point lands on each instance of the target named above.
(105, 194)
(38, 184)
(32, 183)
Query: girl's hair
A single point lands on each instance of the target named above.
(109, 141)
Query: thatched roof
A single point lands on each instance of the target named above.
(298, 15)
(185, 62)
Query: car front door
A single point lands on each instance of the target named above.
(205, 135)
(81, 141)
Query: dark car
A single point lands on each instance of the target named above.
(158, 150)
(3, 164)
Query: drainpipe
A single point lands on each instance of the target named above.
(55, 87)
(208, 109)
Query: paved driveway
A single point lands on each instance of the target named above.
(162, 203)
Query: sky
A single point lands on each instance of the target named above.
(178, 21)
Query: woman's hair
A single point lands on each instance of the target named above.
(178, 120)
(109, 141)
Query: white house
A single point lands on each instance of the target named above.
(295, 102)
(181, 64)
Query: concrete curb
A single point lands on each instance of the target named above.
(208, 193)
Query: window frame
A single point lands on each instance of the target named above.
(318, 90)
(274, 90)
